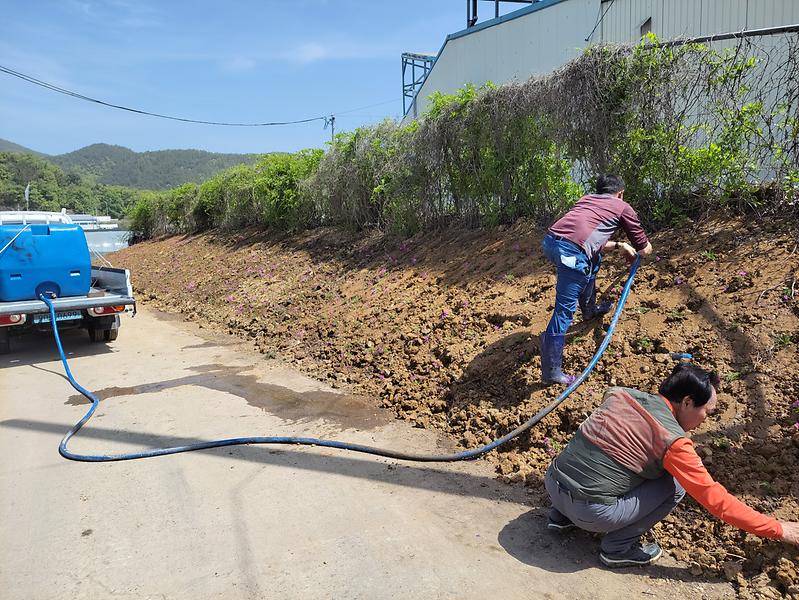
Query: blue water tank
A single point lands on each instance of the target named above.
(43, 258)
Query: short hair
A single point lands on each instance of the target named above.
(609, 184)
(689, 380)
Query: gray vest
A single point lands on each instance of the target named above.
(620, 445)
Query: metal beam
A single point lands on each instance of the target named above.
(471, 9)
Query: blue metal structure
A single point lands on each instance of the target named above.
(411, 63)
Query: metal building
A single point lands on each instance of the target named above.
(546, 34)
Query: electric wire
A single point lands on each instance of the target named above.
(305, 441)
(79, 96)
(599, 21)
(67, 92)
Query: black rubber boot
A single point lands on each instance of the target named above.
(552, 359)
(587, 300)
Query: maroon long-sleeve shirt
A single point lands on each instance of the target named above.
(595, 218)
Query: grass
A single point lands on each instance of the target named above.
(781, 340)
(731, 376)
(721, 442)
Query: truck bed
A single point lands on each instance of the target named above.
(110, 287)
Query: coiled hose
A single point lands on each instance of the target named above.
(465, 455)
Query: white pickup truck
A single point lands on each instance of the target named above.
(98, 311)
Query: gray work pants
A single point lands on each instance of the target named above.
(623, 522)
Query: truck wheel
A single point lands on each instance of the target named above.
(5, 342)
(95, 335)
(110, 334)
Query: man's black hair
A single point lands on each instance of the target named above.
(689, 380)
(609, 184)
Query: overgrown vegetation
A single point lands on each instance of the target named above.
(690, 128)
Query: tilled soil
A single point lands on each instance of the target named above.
(442, 328)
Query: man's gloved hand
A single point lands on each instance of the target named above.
(790, 532)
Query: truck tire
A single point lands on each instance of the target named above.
(95, 335)
(110, 334)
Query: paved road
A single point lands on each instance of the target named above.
(257, 521)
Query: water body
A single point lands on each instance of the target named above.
(107, 241)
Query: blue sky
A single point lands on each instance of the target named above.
(253, 61)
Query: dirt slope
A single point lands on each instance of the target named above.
(442, 329)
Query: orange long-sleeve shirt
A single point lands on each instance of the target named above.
(682, 462)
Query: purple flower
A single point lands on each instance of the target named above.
(742, 273)
(657, 259)
(679, 280)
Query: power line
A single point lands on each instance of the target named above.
(344, 112)
(601, 18)
(67, 92)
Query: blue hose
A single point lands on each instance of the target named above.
(465, 455)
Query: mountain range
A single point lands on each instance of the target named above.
(155, 170)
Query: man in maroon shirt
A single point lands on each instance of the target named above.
(574, 244)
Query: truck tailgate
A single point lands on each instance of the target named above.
(28, 307)
(110, 287)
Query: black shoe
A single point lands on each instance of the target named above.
(560, 526)
(636, 556)
(596, 310)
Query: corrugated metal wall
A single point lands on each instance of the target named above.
(692, 18)
(517, 48)
(548, 35)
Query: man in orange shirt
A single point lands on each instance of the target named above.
(630, 463)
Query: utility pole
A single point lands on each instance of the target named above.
(331, 120)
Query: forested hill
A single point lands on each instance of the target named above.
(6, 146)
(158, 170)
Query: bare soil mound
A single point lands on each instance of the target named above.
(442, 328)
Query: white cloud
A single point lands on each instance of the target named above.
(310, 52)
(124, 13)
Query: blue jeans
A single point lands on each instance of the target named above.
(624, 522)
(575, 271)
